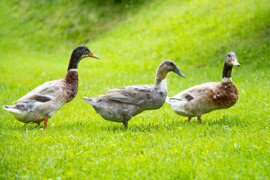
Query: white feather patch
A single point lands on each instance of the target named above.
(163, 86)
(226, 79)
(73, 70)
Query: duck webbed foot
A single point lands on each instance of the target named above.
(188, 119)
(199, 119)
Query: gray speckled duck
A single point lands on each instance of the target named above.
(207, 97)
(42, 102)
(120, 105)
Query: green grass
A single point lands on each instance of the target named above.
(36, 39)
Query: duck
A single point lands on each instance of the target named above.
(207, 97)
(121, 104)
(41, 103)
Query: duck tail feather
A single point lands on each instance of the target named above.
(168, 99)
(89, 100)
(12, 108)
(8, 107)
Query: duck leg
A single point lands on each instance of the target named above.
(188, 119)
(125, 124)
(45, 122)
(199, 119)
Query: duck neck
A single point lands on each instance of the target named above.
(227, 71)
(74, 61)
(160, 81)
(72, 73)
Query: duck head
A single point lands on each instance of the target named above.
(167, 66)
(78, 54)
(164, 68)
(231, 59)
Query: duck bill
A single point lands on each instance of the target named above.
(93, 55)
(177, 71)
(235, 63)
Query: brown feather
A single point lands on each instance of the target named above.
(225, 95)
(71, 85)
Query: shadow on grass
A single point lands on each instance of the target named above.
(28, 126)
(84, 125)
(232, 121)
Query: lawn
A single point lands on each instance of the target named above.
(133, 38)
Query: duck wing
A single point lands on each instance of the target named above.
(43, 93)
(130, 94)
(195, 92)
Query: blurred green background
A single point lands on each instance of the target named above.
(133, 38)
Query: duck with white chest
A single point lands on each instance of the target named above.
(204, 98)
(120, 105)
(41, 103)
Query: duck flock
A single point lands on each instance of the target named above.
(120, 105)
